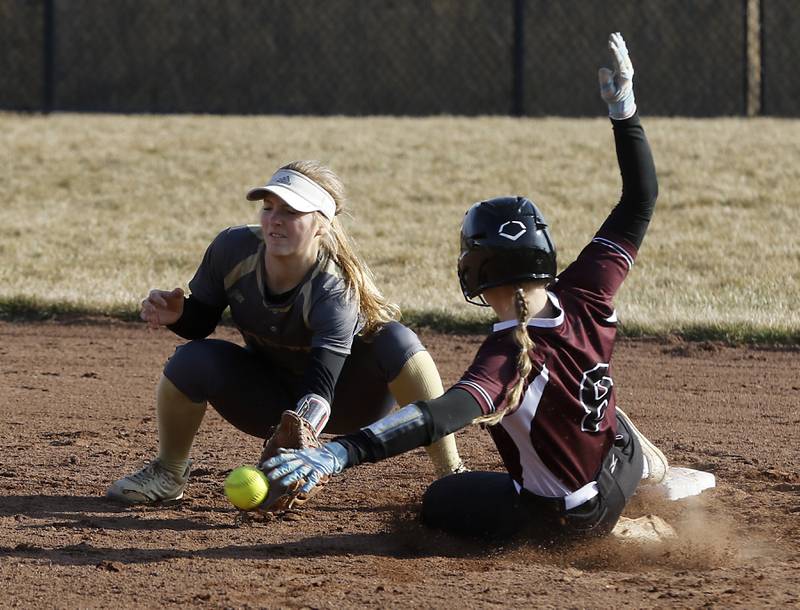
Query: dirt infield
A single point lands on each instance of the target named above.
(76, 412)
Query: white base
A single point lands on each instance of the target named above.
(684, 482)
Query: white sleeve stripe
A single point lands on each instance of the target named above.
(617, 248)
(484, 394)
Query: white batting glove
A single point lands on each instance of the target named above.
(616, 87)
(308, 465)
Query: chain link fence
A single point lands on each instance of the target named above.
(780, 45)
(397, 57)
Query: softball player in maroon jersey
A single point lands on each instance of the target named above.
(542, 381)
(322, 347)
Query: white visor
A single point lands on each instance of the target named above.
(298, 191)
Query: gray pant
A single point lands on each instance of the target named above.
(251, 393)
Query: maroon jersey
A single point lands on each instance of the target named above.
(555, 441)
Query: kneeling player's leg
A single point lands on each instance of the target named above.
(419, 379)
(179, 419)
(223, 373)
(412, 375)
(247, 392)
(165, 478)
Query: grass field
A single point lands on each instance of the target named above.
(98, 209)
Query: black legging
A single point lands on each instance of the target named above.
(486, 505)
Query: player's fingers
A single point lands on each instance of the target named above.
(619, 57)
(299, 473)
(284, 469)
(284, 456)
(149, 313)
(616, 40)
(311, 482)
(157, 298)
(281, 469)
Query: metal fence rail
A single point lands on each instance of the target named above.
(401, 57)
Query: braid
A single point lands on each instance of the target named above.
(525, 343)
(524, 364)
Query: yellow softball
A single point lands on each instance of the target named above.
(246, 487)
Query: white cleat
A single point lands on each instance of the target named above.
(151, 485)
(655, 462)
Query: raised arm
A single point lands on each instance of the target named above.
(630, 218)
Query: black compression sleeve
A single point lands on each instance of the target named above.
(322, 373)
(198, 319)
(452, 411)
(631, 216)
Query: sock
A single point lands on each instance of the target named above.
(178, 421)
(419, 380)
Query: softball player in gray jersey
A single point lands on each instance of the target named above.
(322, 347)
(542, 381)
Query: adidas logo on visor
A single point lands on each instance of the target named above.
(285, 179)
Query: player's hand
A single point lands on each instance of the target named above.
(616, 87)
(310, 465)
(162, 307)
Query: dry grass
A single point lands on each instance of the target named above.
(99, 208)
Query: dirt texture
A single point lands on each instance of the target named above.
(76, 412)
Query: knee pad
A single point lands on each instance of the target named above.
(192, 369)
(392, 346)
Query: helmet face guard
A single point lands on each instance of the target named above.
(503, 241)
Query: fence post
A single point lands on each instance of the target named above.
(753, 101)
(518, 60)
(48, 59)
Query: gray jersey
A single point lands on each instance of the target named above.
(320, 312)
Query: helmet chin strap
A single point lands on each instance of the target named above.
(478, 300)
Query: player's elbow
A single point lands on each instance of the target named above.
(654, 189)
(649, 193)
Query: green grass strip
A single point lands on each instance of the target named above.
(24, 309)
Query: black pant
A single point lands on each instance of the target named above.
(486, 505)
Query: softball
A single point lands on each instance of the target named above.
(246, 487)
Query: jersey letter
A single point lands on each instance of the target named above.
(594, 393)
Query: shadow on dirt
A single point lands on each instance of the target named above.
(381, 544)
(82, 512)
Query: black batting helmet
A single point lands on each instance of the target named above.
(503, 241)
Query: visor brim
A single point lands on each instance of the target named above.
(292, 199)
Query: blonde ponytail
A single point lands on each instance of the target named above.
(376, 310)
(524, 364)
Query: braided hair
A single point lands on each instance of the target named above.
(524, 363)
